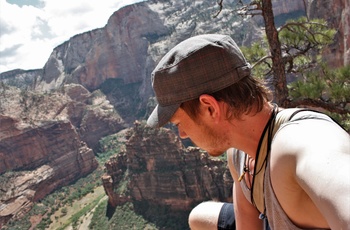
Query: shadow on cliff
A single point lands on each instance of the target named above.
(137, 213)
(110, 211)
(162, 215)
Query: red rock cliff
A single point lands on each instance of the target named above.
(38, 160)
(46, 142)
(119, 50)
(155, 167)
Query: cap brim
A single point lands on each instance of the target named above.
(161, 115)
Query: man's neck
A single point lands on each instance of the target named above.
(248, 130)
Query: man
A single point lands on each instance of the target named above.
(289, 165)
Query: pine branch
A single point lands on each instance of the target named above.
(289, 26)
(261, 60)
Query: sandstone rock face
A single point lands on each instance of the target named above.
(45, 158)
(25, 148)
(118, 50)
(337, 14)
(23, 79)
(137, 36)
(47, 141)
(92, 114)
(155, 167)
(128, 47)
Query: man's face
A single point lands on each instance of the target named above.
(200, 132)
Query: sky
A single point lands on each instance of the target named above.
(31, 29)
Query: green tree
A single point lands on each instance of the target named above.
(295, 49)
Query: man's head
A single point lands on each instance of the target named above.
(203, 64)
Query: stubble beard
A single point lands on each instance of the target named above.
(214, 142)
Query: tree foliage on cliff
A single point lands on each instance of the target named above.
(294, 50)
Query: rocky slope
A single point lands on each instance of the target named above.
(52, 157)
(155, 167)
(47, 141)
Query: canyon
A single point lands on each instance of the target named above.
(98, 83)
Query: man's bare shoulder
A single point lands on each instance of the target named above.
(314, 136)
(304, 155)
(306, 144)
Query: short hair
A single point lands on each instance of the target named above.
(244, 96)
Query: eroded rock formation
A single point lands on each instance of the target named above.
(47, 141)
(157, 168)
(38, 160)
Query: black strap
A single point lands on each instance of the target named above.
(315, 111)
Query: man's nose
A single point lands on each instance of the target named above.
(182, 134)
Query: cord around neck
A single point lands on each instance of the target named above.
(262, 154)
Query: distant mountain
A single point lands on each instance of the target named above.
(129, 46)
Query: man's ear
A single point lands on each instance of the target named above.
(209, 106)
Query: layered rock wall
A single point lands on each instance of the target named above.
(47, 141)
(23, 79)
(118, 50)
(37, 161)
(155, 167)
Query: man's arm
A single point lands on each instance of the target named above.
(317, 157)
(247, 216)
(327, 157)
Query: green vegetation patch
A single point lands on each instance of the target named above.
(137, 215)
(122, 217)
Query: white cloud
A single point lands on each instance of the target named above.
(28, 34)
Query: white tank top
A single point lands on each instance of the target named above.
(276, 216)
